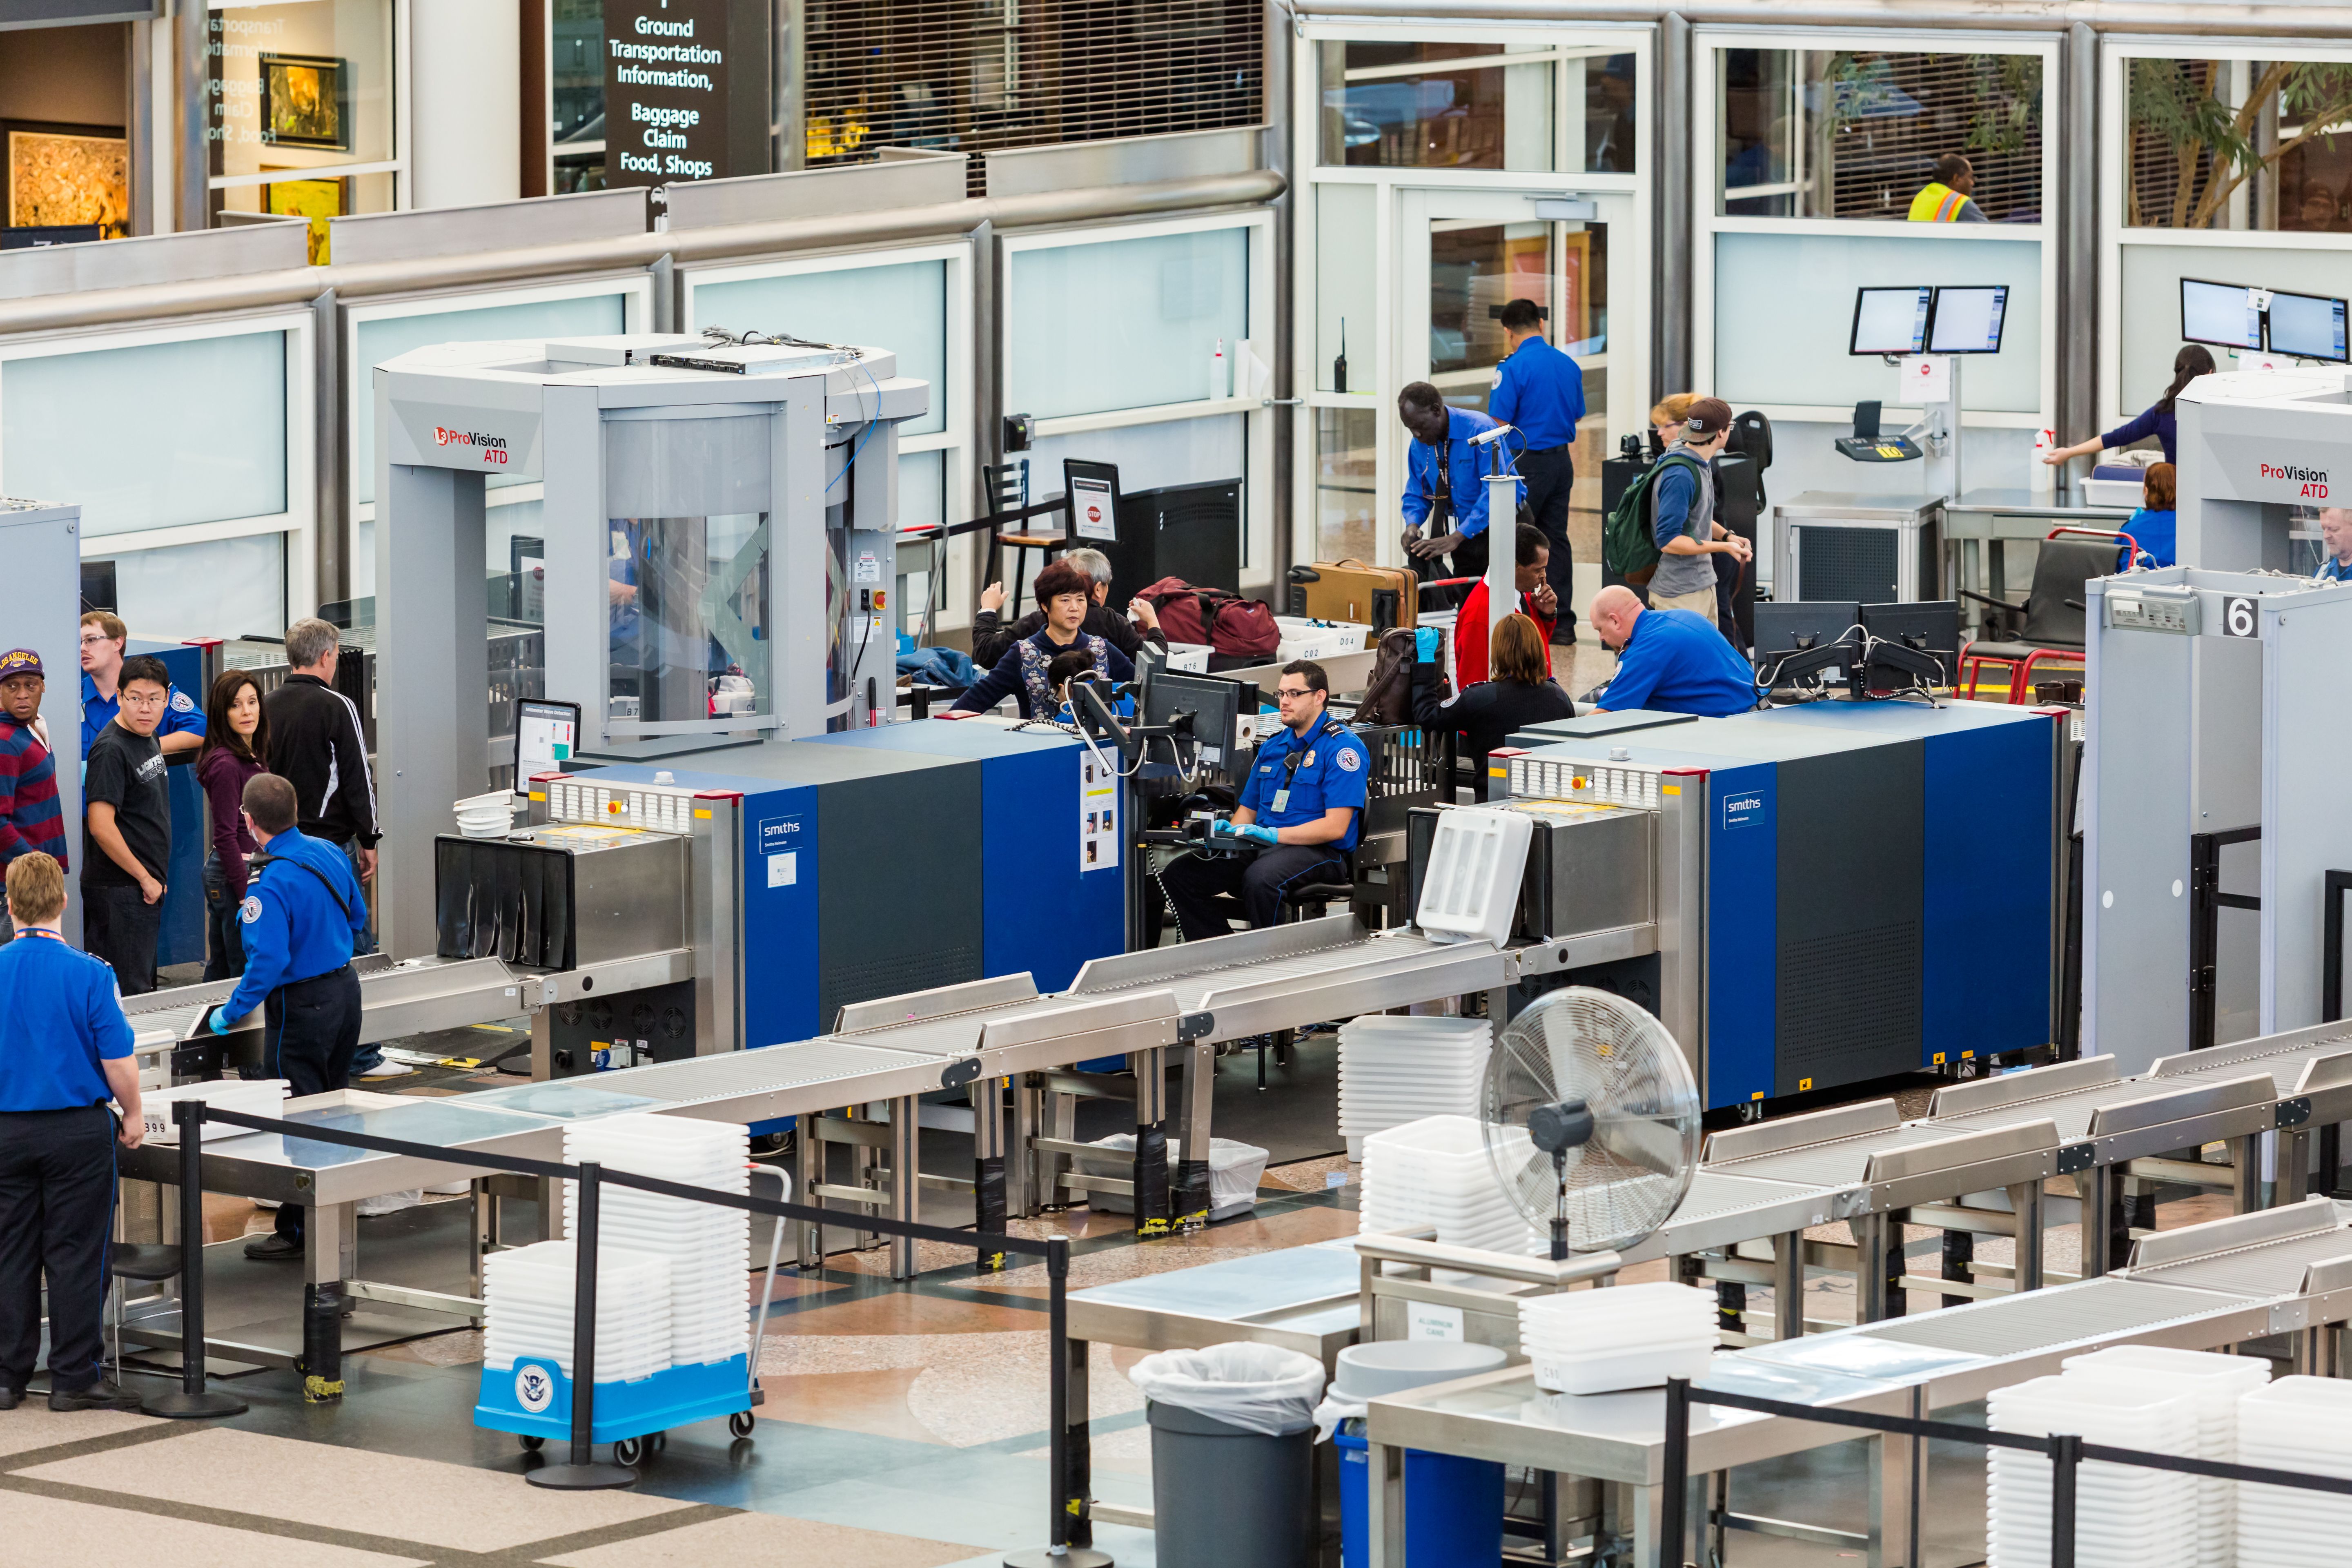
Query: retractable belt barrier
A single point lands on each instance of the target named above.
(194, 1399)
(2066, 1452)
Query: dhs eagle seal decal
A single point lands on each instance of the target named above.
(1348, 759)
(249, 910)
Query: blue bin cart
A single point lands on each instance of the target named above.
(533, 1399)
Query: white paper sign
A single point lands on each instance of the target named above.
(1097, 814)
(1432, 1322)
(1091, 514)
(784, 869)
(1928, 380)
(869, 568)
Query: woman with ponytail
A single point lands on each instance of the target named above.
(2156, 420)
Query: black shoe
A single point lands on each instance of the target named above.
(275, 1248)
(10, 1398)
(99, 1395)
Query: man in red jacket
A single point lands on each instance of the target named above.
(1534, 596)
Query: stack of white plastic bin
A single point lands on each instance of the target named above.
(1629, 1336)
(2296, 1423)
(708, 1248)
(1395, 1069)
(2213, 1383)
(1434, 1172)
(2125, 1516)
(528, 1294)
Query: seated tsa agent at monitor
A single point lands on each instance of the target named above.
(1668, 662)
(1302, 809)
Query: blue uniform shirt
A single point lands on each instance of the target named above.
(180, 712)
(59, 1017)
(289, 920)
(2154, 533)
(1464, 473)
(2332, 571)
(1541, 392)
(1674, 662)
(1334, 769)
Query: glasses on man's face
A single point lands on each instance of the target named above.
(1285, 692)
(143, 699)
(91, 639)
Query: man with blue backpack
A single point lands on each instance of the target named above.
(1663, 536)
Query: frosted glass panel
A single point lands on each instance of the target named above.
(902, 307)
(1175, 452)
(921, 488)
(1784, 303)
(156, 437)
(1343, 284)
(2151, 303)
(1127, 324)
(599, 315)
(223, 588)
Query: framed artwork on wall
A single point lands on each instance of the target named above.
(59, 175)
(306, 101)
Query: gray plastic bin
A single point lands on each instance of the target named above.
(1225, 1498)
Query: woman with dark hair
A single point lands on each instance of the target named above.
(2156, 420)
(1521, 692)
(1024, 671)
(237, 747)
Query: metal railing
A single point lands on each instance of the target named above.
(194, 1399)
(2065, 1450)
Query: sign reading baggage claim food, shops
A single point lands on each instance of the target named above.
(676, 80)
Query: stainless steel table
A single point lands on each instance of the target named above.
(1991, 518)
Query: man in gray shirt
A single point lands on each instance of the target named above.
(1683, 497)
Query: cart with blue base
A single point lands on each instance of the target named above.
(533, 1398)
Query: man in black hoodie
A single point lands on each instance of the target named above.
(316, 743)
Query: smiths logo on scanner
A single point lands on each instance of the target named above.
(1743, 809)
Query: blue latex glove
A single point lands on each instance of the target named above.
(1229, 828)
(221, 1021)
(1426, 641)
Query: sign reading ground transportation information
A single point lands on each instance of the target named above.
(670, 85)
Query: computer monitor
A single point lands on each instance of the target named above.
(1801, 626)
(2307, 326)
(2222, 314)
(1214, 703)
(1967, 321)
(546, 735)
(1931, 626)
(1890, 321)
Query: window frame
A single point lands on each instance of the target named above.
(398, 94)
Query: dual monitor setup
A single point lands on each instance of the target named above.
(1922, 319)
(2263, 321)
(1803, 647)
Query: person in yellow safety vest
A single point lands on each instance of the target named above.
(1945, 198)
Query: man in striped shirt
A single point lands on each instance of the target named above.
(30, 817)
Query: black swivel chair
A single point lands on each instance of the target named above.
(2048, 626)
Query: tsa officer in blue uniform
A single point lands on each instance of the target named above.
(1444, 500)
(303, 909)
(64, 1049)
(1303, 806)
(1541, 391)
(103, 637)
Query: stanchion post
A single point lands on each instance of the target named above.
(2065, 1458)
(192, 1400)
(582, 1473)
(1673, 1482)
(1067, 1490)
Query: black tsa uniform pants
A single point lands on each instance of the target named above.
(56, 1207)
(313, 1028)
(1550, 475)
(1193, 882)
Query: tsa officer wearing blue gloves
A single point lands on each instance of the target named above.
(1541, 391)
(303, 909)
(1444, 500)
(65, 1050)
(1669, 662)
(1303, 807)
(103, 637)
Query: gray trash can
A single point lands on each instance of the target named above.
(1233, 1455)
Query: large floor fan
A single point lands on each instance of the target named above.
(1591, 1120)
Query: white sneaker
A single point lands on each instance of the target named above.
(388, 1069)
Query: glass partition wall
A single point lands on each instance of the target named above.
(1813, 162)
(1445, 172)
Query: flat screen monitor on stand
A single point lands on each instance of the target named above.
(2248, 320)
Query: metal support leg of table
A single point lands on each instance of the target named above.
(330, 1245)
(1876, 1244)
(1150, 1168)
(2099, 1190)
(2246, 1156)
(1022, 1195)
(906, 1182)
(2025, 1202)
(1648, 1506)
(1788, 1285)
(1060, 1120)
(1498, 1008)
(1196, 1089)
(989, 1199)
(1898, 1478)
(808, 1170)
(2293, 1165)
(2318, 1352)
(1384, 1506)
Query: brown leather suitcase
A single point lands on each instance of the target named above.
(1350, 590)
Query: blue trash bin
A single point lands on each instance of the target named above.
(1452, 1506)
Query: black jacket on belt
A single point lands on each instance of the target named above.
(316, 745)
(991, 637)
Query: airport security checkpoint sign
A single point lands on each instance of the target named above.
(669, 89)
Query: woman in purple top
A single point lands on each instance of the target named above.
(2156, 420)
(237, 743)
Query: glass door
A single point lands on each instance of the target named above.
(1468, 253)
